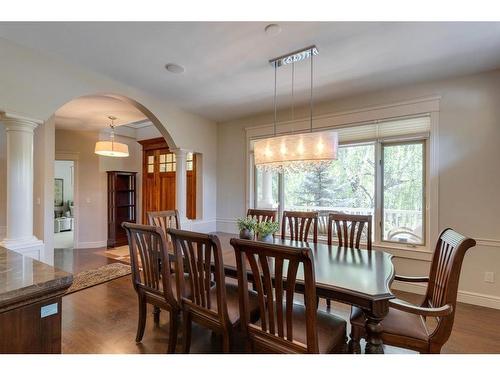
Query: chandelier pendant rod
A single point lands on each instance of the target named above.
(311, 96)
(275, 99)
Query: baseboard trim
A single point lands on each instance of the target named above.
(473, 298)
(91, 245)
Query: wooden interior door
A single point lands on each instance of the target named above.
(191, 186)
(166, 180)
(158, 187)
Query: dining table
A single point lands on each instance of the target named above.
(354, 276)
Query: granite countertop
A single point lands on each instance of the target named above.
(24, 280)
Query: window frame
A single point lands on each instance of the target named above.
(380, 222)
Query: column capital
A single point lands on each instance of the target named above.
(180, 152)
(17, 122)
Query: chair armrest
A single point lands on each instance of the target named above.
(424, 311)
(410, 279)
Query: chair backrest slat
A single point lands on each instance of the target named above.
(164, 219)
(444, 276)
(148, 254)
(200, 256)
(262, 215)
(349, 229)
(268, 263)
(299, 225)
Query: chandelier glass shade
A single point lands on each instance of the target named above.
(296, 150)
(111, 148)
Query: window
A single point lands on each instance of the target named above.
(380, 171)
(167, 162)
(189, 161)
(403, 192)
(151, 164)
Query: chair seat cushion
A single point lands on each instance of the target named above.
(233, 303)
(397, 322)
(331, 329)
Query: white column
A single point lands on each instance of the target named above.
(181, 183)
(267, 190)
(19, 234)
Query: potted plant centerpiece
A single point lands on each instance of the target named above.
(266, 229)
(247, 226)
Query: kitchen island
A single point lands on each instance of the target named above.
(30, 304)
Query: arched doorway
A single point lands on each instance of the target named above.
(78, 124)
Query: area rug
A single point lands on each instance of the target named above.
(89, 278)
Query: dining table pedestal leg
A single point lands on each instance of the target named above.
(374, 344)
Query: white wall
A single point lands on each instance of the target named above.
(469, 180)
(36, 85)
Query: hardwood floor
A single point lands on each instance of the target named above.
(103, 319)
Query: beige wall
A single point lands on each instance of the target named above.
(469, 178)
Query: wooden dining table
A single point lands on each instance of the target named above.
(356, 277)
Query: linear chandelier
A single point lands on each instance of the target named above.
(111, 148)
(296, 150)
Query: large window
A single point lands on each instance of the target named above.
(383, 176)
(403, 192)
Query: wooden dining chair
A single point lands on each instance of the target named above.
(405, 324)
(164, 219)
(262, 215)
(349, 229)
(154, 285)
(300, 224)
(211, 302)
(284, 326)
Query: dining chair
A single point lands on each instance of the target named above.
(164, 220)
(300, 224)
(211, 302)
(405, 324)
(262, 215)
(154, 285)
(284, 325)
(349, 229)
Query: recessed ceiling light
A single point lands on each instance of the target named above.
(174, 68)
(273, 29)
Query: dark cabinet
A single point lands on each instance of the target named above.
(122, 196)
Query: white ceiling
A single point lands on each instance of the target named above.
(227, 74)
(91, 113)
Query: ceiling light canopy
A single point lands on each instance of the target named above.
(273, 29)
(111, 148)
(296, 150)
(175, 68)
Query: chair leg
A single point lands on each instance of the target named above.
(328, 303)
(226, 342)
(354, 345)
(173, 327)
(156, 314)
(141, 324)
(186, 331)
